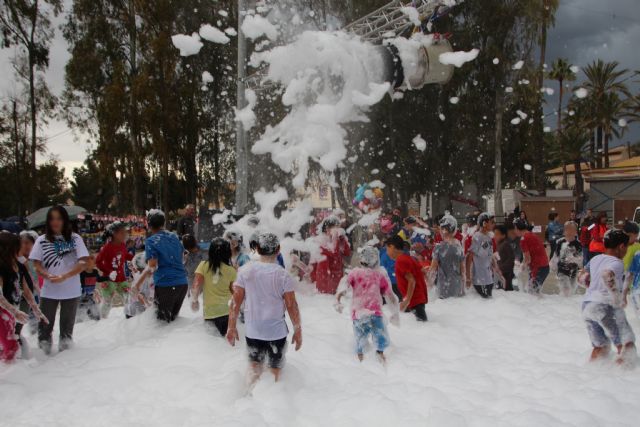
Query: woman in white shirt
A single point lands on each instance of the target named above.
(59, 256)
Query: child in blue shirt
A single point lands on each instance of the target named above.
(163, 253)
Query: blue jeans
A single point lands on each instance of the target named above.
(606, 324)
(585, 255)
(374, 326)
(540, 277)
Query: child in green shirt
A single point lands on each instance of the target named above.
(214, 278)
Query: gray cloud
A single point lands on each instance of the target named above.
(587, 30)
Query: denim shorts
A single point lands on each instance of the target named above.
(374, 326)
(606, 324)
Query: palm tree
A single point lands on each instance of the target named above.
(561, 71)
(544, 11)
(571, 148)
(610, 112)
(603, 79)
(632, 107)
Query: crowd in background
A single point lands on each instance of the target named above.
(401, 262)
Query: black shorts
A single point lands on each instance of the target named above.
(260, 350)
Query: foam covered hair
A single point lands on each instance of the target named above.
(449, 223)
(268, 244)
(369, 257)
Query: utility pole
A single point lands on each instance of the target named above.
(242, 166)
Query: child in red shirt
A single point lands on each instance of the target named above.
(535, 256)
(111, 261)
(410, 277)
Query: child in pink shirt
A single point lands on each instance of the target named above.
(369, 284)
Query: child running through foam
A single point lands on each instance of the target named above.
(603, 306)
(111, 261)
(214, 278)
(369, 284)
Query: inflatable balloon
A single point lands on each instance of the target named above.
(378, 193)
(360, 193)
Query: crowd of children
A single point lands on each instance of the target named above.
(399, 268)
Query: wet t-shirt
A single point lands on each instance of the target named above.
(368, 287)
(482, 250)
(265, 285)
(167, 249)
(449, 256)
(606, 274)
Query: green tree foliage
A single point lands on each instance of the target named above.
(26, 24)
(148, 109)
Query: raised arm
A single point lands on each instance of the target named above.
(294, 314)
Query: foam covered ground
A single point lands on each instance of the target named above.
(513, 361)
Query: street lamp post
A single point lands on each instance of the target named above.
(242, 166)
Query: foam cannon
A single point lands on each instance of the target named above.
(404, 70)
(419, 68)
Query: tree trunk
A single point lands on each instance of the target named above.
(579, 186)
(134, 132)
(565, 178)
(607, 137)
(498, 207)
(343, 203)
(216, 168)
(538, 132)
(592, 150)
(32, 103)
(560, 94)
(16, 143)
(599, 147)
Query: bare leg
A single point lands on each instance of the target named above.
(255, 371)
(599, 353)
(626, 353)
(276, 373)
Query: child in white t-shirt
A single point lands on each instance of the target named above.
(603, 304)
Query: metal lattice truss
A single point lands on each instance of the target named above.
(389, 20)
